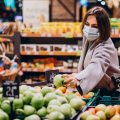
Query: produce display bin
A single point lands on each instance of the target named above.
(88, 102)
(74, 117)
(106, 97)
(96, 93)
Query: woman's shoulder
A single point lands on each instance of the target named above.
(105, 47)
(106, 44)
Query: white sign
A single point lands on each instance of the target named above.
(35, 11)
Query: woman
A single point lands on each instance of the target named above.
(99, 59)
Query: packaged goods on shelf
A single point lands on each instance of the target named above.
(37, 49)
(8, 28)
(33, 79)
(59, 47)
(66, 29)
(41, 65)
(6, 46)
(115, 23)
(115, 31)
(55, 29)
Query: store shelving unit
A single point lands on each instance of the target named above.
(59, 55)
(18, 40)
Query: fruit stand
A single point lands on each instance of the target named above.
(105, 106)
(58, 102)
(44, 102)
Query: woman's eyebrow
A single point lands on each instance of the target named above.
(95, 24)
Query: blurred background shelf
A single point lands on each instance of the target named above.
(57, 53)
(43, 71)
(64, 56)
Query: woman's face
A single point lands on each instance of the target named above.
(91, 21)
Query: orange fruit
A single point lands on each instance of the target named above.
(63, 89)
(78, 94)
(92, 110)
(86, 96)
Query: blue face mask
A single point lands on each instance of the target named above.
(91, 33)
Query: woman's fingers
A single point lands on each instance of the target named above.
(72, 83)
(68, 80)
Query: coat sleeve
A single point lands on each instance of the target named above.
(96, 69)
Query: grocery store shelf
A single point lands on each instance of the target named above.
(114, 23)
(6, 35)
(49, 35)
(50, 40)
(44, 53)
(115, 36)
(59, 37)
(43, 71)
(34, 83)
(5, 41)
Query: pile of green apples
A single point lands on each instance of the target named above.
(102, 112)
(37, 103)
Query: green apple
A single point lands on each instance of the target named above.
(42, 112)
(32, 117)
(58, 81)
(56, 116)
(77, 103)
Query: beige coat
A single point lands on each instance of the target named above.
(97, 64)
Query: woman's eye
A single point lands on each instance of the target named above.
(87, 24)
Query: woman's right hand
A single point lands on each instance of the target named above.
(70, 80)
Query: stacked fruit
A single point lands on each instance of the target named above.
(59, 81)
(5, 107)
(36, 103)
(102, 112)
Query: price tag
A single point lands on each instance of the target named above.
(49, 75)
(11, 89)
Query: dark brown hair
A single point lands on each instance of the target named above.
(102, 20)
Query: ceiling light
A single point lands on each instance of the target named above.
(103, 3)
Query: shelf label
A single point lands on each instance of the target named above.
(10, 89)
(50, 74)
(51, 53)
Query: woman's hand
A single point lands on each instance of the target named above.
(70, 80)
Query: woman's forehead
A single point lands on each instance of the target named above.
(91, 19)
